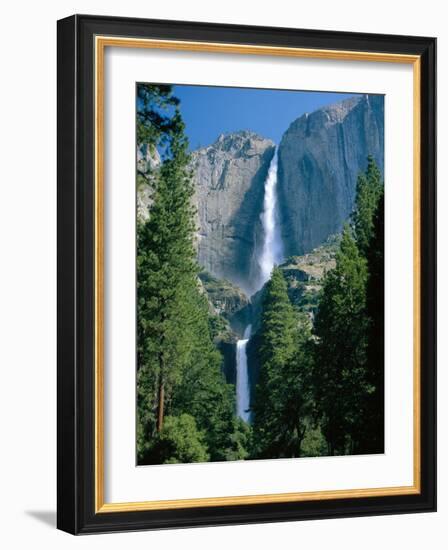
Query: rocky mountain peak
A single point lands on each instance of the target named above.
(243, 143)
(229, 177)
(320, 157)
(326, 117)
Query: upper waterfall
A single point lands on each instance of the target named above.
(272, 251)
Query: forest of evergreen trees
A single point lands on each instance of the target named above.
(320, 389)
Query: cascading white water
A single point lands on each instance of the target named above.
(272, 251)
(242, 377)
(271, 254)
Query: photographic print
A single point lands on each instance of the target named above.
(246, 274)
(260, 273)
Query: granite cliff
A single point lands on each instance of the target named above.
(230, 177)
(319, 159)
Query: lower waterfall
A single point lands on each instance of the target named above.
(242, 377)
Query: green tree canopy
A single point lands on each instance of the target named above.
(180, 441)
(179, 369)
(158, 115)
(369, 188)
(280, 396)
(340, 351)
(372, 436)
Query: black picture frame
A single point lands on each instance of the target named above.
(76, 254)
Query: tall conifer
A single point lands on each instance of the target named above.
(280, 394)
(179, 369)
(369, 188)
(372, 435)
(340, 328)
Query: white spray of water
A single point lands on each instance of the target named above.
(242, 377)
(272, 251)
(271, 255)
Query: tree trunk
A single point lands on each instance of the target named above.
(160, 411)
(161, 390)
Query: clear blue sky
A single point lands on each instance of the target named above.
(209, 111)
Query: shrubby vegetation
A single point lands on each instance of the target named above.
(321, 383)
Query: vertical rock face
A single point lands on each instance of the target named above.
(229, 177)
(320, 157)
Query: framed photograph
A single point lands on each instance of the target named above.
(246, 274)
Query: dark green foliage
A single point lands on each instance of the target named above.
(219, 327)
(241, 441)
(340, 351)
(314, 442)
(155, 108)
(369, 188)
(372, 438)
(180, 441)
(202, 390)
(280, 397)
(349, 329)
(166, 271)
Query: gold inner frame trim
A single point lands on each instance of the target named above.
(101, 42)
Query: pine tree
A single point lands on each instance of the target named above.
(179, 370)
(340, 351)
(165, 267)
(369, 234)
(156, 106)
(202, 390)
(369, 188)
(279, 425)
(372, 436)
(349, 362)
